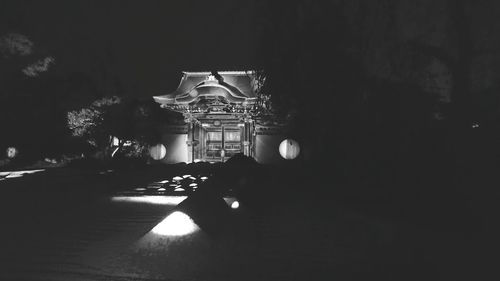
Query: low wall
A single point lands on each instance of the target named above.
(177, 149)
(267, 149)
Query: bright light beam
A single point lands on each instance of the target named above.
(18, 174)
(21, 172)
(152, 199)
(176, 224)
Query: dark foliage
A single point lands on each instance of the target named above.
(361, 99)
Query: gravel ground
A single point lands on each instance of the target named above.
(62, 225)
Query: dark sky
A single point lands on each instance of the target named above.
(145, 43)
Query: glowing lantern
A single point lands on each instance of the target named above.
(158, 151)
(289, 149)
(12, 152)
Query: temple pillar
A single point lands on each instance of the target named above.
(246, 140)
(223, 148)
(192, 142)
(253, 138)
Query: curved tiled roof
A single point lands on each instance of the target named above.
(235, 86)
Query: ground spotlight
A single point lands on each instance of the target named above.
(235, 205)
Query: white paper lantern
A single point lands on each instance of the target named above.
(158, 151)
(289, 149)
(12, 152)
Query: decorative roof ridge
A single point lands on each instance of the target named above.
(226, 72)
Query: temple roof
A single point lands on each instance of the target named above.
(237, 87)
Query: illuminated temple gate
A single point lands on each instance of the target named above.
(218, 110)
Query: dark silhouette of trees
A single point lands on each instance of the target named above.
(386, 91)
(129, 120)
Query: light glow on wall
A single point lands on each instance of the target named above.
(266, 148)
(177, 149)
(175, 224)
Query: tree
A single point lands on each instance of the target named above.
(351, 69)
(90, 123)
(385, 91)
(310, 74)
(129, 120)
(31, 120)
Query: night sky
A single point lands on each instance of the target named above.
(146, 44)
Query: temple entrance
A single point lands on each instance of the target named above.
(219, 109)
(221, 143)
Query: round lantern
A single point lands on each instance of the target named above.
(289, 149)
(158, 151)
(12, 152)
